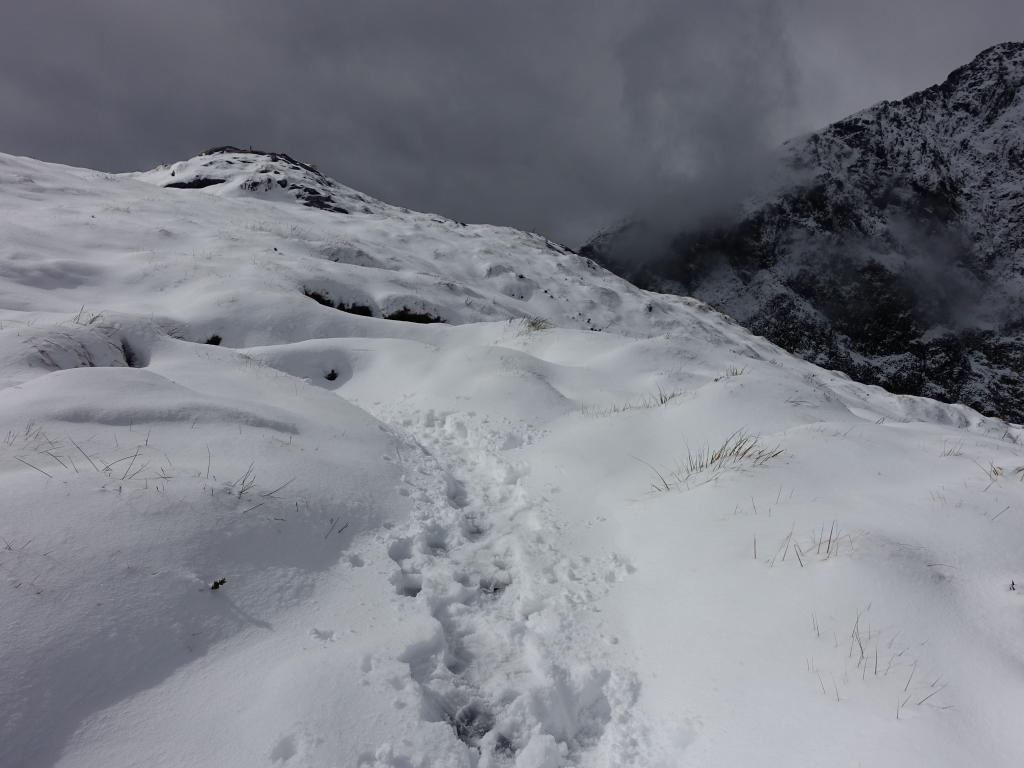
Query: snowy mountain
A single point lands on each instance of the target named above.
(293, 477)
(891, 249)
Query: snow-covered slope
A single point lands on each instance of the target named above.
(500, 540)
(892, 249)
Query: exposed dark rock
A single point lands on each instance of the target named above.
(356, 309)
(197, 182)
(410, 316)
(318, 297)
(892, 250)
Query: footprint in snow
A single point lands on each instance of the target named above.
(284, 750)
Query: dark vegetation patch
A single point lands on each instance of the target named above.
(215, 340)
(404, 314)
(407, 315)
(356, 309)
(314, 198)
(199, 182)
(353, 309)
(319, 298)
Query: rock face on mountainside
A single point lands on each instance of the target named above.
(893, 250)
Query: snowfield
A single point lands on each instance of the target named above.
(575, 524)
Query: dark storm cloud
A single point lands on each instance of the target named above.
(561, 116)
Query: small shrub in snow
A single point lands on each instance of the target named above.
(536, 323)
(214, 340)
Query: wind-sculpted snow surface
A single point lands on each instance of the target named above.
(546, 519)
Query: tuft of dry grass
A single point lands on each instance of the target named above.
(656, 400)
(740, 450)
(952, 449)
(731, 372)
(530, 324)
(994, 472)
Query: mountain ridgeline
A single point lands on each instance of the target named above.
(891, 246)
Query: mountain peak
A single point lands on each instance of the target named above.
(229, 170)
(1010, 53)
(995, 72)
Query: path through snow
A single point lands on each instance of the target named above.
(515, 667)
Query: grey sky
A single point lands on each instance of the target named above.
(560, 116)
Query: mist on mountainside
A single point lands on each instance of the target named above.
(888, 245)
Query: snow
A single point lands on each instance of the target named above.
(476, 544)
